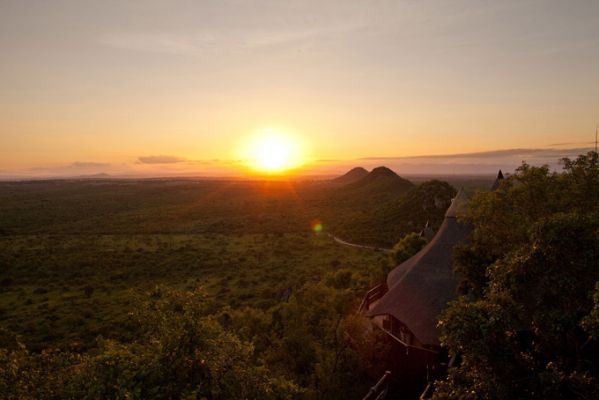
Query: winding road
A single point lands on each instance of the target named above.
(361, 246)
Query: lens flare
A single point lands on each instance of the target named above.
(316, 226)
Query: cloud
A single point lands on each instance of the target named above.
(269, 38)
(485, 162)
(327, 160)
(505, 153)
(77, 165)
(88, 164)
(170, 43)
(572, 144)
(196, 42)
(160, 160)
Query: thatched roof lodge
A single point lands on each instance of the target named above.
(420, 288)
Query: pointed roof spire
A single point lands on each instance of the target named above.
(497, 180)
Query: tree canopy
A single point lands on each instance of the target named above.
(525, 325)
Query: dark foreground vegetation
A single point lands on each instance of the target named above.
(219, 290)
(527, 323)
(196, 289)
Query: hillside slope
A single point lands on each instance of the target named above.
(351, 176)
(380, 181)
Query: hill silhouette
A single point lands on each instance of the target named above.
(358, 204)
(381, 180)
(353, 175)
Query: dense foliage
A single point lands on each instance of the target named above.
(406, 248)
(526, 325)
(185, 289)
(178, 352)
(388, 217)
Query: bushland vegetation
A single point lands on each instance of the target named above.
(383, 219)
(526, 323)
(192, 289)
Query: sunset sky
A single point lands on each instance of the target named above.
(178, 87)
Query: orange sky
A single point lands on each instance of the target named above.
(90, 87)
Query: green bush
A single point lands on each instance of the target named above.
(406, 248)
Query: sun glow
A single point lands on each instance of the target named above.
(273, 151)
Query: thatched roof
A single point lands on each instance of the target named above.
(420, 287)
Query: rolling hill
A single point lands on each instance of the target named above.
(380, 180)
(381, 207)
(353, 175)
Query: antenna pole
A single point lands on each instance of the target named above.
(595, 138)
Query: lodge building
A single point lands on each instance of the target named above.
(406, 307)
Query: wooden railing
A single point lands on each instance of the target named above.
(373, 295)
(427, 394)
(379, 391)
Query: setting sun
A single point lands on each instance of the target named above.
(273, 151)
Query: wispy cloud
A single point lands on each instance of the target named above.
(171, 43)
(494, 154)
(573, 144)
(88, 164)
(171, 159)
(270, 38)
(485, 162)
(74, 166)
(197, 42)
(160, 160)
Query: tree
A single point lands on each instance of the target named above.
(407, 247)
(502, 219)
(179, 353)
(522, 326)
